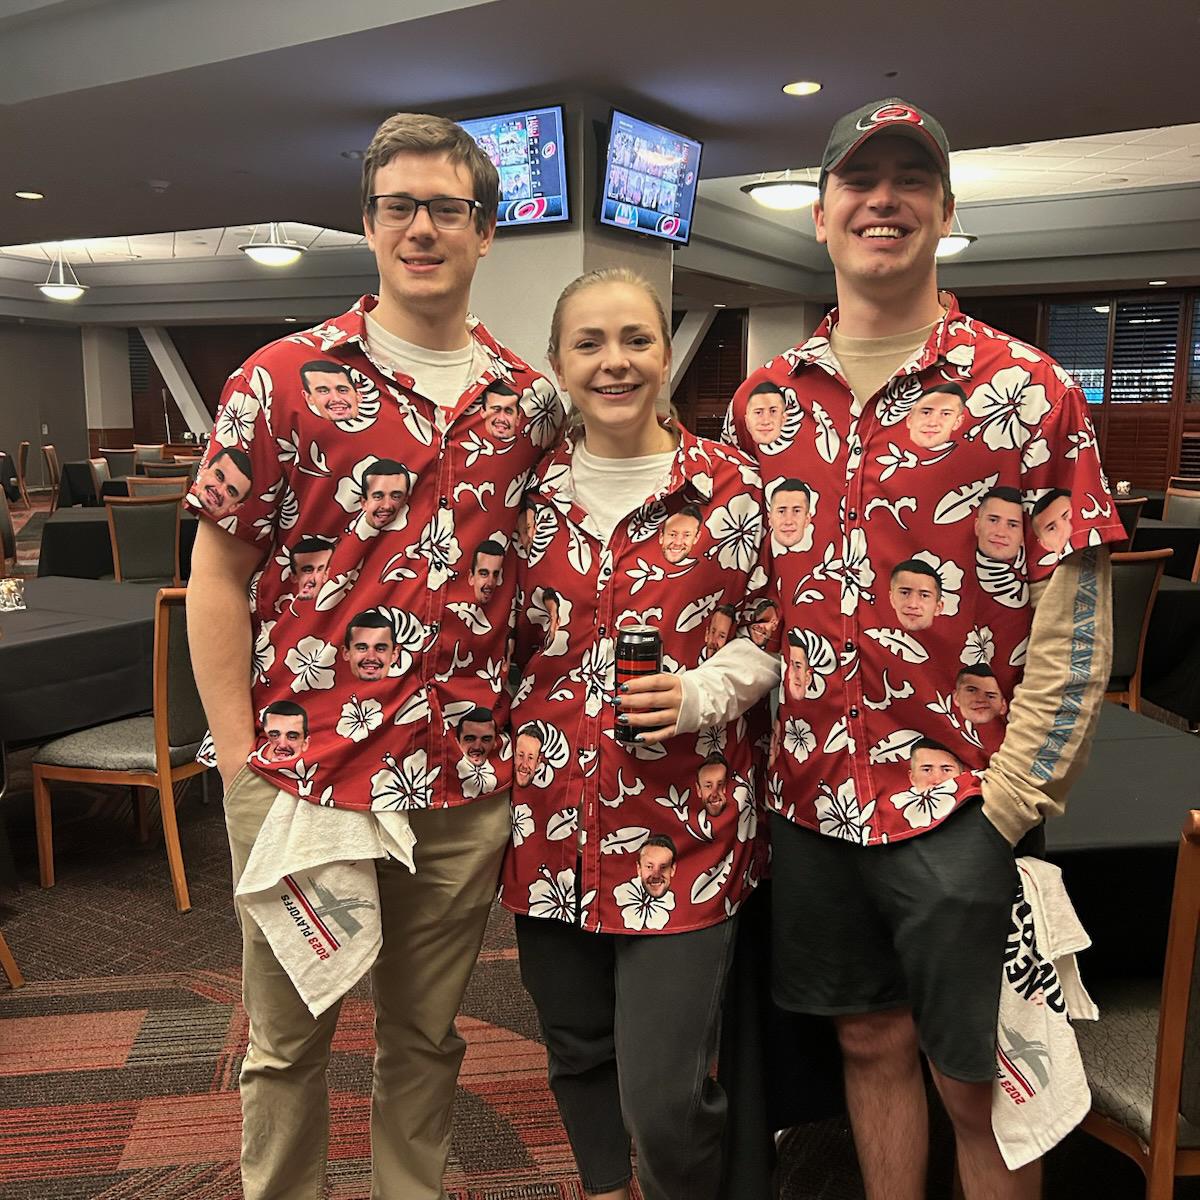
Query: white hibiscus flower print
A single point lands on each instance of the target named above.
(403, 786)
(1008, 406)
(359, 718)
(854, 571)
(553, 896)
(798, 738)
(522, 823)
(737, 533)
(980, 647)
(311, 661)
(477, 779)
(962, 357)
(439, 548)
(922, 808)
(596, 673)
(262, 657)
(639, 909)
(538, 612)
(711, 740)
(544, 412)
(951, 577)
(840, 815)
(235, 421)
(901, 393)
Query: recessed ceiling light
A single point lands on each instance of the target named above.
(29, 195)
(715, 305)
(1156, 283)
(801, 87)
(953, 243)
(783, 194)
(290, 320)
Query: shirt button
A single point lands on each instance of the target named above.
(854, 713)
(600, 631)
(849, 644)
(853, 514)
(444, 502)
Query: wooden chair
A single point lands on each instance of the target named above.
(23, 472)
(1181, 504)
(1135, 579)
(144, 532)
(100, 476)
(1189, 483)
(147, 485)
(53, 471)
(1130, 512)
(121, 462)
(156, 751)
(1142, 1057)
(15, 978)
(163, 470)
(144, 452)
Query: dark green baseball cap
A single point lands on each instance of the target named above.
(894, 116)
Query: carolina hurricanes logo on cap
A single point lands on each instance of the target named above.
(891, 112)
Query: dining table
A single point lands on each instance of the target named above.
(75, 541)
(1171, 660)
(1182, 537)
(75, 484)
(8, 476)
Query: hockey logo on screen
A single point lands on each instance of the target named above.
(530, 209)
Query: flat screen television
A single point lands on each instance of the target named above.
(527, 148)
(650, 177)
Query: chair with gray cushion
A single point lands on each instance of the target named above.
(163, 470)
(1135, 578)
(1182, 505)
(145, 452)
(120, 462)
(53, 472)
(1142, 1057)
(168, 485)
(155, 752)
(100, 476)
(23, 472)
(144, 531)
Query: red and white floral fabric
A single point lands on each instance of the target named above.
(978, 429)
(583, 803)
(335, 467)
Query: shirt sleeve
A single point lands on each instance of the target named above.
(723, 687)
(1056, 705)
(240, 485)
(1062, 483)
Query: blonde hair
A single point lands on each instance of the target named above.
(592, 279)
(420, 133)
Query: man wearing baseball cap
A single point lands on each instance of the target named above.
(892, 904)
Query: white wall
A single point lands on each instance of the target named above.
(106, 377)
(777, 327)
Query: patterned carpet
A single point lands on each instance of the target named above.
(119, 1059)
(28, 526)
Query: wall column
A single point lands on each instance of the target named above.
(106, 388)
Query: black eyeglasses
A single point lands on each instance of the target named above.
(398, 211)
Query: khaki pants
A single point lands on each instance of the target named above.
(433, 924)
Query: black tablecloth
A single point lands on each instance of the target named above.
(8, 476)
(82, 653)
(1182, 538)
(115, 487)
(1155, 497)
(1171, 666)
(75, 484)
(75, 542)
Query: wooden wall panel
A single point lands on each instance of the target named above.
(1138, 444)
(714, 375)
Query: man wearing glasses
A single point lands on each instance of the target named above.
(429, 199)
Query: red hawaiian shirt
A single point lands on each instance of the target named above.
(688, 561)
(906, 528)
(382, 611)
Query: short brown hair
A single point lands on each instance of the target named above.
(420, 133)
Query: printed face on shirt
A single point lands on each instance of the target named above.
(788, 516)
(551, 603)
(476, 739)
(764, 416)
(311, 570)
(927, 768)
(527, 757)
(330, 394)
(223, 485)
(286, 738)
(979, 698)
(656, 869)
(384, 497)
(500, 415)
(1000, 529)
(678, 535)
(486, 576)
(763, 625)
(933, 419)
(716, 634)
(525, 528)
(799, 673)
(711, 787)
(370, 652)
(916, 600)
(1052, 526)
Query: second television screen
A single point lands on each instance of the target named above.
(527, 149)
(650, 179)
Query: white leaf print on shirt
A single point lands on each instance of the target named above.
(901, 643)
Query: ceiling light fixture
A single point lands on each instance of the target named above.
(62, 284)
(783, 194)
(1156, 283)
(955, 242)
(276, 250)
(802, 87)
(29, 195)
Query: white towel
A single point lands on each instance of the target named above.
(1041, 1091)
(311, 887)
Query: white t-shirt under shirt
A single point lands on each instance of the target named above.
(440, 375)
(723, 686)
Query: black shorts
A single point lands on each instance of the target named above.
(917, 924)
